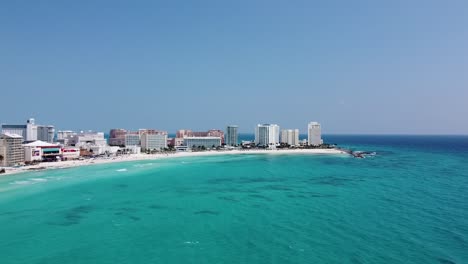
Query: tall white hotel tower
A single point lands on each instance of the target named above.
(267, 135)
(231, 135)
(314, 134)
(290, 137)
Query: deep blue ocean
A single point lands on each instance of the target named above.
(406, 204)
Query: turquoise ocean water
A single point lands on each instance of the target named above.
(407, 204)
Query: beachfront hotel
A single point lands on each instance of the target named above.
(39, 150)
(11, 149)
(290, 137)
(153, 140)
(207, 139)
(121, 137)
(132, 139)
(267, 134)
(314, 134)
(207, 142)
(231, 135)
(183, 133)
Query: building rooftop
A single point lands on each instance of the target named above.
(12, 126)
(202, 137)
(39, 143)
(10, 135)
(267, 125)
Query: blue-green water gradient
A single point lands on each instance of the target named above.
(407, 204)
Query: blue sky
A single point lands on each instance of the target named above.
(366, 67)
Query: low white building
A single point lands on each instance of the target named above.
(70, 153)
(207, 142)
(86, 138)
(100, 149)
(40, 150)
(178, 141)
(303, 142)
(181, 149)
(133, 149)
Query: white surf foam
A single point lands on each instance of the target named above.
(191, 242)
(143, 165)
(22, 182)
(39, 179)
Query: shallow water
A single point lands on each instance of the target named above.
(407, 204)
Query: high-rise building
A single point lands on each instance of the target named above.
(11, 149)
(267, 135)
(231, 135)
(117, 137)
(152, 141)
(31, 130)
(290, 136)
(314, 134)
(45, 133)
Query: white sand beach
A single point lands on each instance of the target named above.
(137, 157)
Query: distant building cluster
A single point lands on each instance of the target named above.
(30, 131)
(30, 143)
(268, 135)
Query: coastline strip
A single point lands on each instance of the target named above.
(139, 157)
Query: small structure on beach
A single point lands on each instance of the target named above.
(70, 153)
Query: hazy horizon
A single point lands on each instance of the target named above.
(361, 67)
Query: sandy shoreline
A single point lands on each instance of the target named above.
(138, 157)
